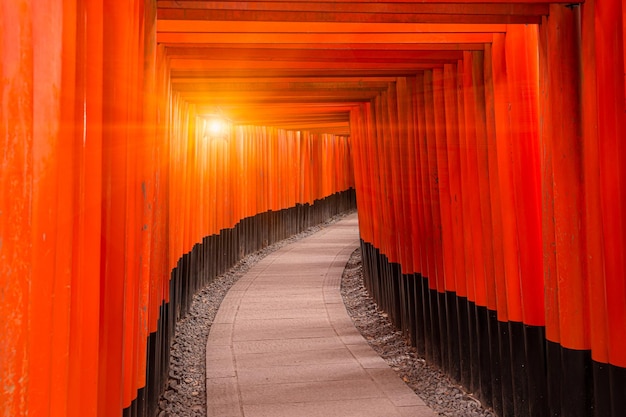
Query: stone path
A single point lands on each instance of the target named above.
(282, 343)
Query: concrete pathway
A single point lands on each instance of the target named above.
(282, 343)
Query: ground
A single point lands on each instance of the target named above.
(186, 393)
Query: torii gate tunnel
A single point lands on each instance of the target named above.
(148, 145)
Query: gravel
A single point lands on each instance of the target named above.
(433, 386)
(185, 395)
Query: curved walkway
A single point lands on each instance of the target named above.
(282, 343)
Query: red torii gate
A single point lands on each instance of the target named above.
(484, 140)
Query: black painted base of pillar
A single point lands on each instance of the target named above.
(511, 367)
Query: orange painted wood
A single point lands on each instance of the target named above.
(359, 162)
(216, 26)
(427, 237)
(407, 176)
(384, 196)
(356, 16)
(394, 167)
(224, 65)
(115, 347)
(443, 181)
(47, 325)
(496, 298)
(464, 170)
(85, 299)
(324, 38)
(454, 171)
(553, 331)
(609, 50)
(416, 211)
(522, 68)
(17, 186)
(277, 9)
(495, 174)
(207, 46)
(508, 286)
(562, 145)
(594, 272)
(483, 168)
(432, 3)
(473, 184)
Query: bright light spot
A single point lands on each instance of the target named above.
(217, 127)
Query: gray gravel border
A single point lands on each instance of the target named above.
(433, 386)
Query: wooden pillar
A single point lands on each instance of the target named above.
(495, 300)
(483, 244)
(561, 150)
(603, 126)
(429, 281)
(508, 286)
(458, 288)
(465, 305)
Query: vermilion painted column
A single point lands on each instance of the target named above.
(595, 271)
(508, 290)
(369, 180)
(436, 280)
(463, 261)
(147, 202)
(408, 170)
(454, 173)
(134, 157)
(472, 183)
(609, 47)
(406, 94)
(443, 179)
(475, 224)
(85, 303)
(420, 258)
(447, 284)
(457, 301)
(361, 180)
(465, 196)
(114, 206)
(417, 214)
(485, 291)
(494, 301)
(428, 260)
(429, 272)
(394, 193)
(464, 305)
(387, 196)
(561, 149)
(159, 261)
(16, 188)
(49, 204)
(522, 73)
(398, 177)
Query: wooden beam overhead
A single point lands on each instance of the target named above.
(324, 38)
(288, 73)
(204, 64)
(280, 85)
(319, 95)
(265, 53)
(303, 64)
(341, 46)
(215, 27)
(287, 16)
